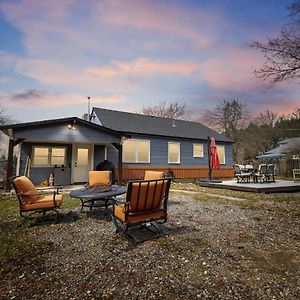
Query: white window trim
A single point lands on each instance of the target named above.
(224, 163)
(49, 156)
(179, 156)
(136, 153)
(198, 144)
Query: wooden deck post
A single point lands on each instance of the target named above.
(119, 147)
(10, 162)
(209, 166)
(120, 164)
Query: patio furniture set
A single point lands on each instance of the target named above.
(145, 203)
(244, 173)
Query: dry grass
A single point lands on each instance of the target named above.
(214, 248)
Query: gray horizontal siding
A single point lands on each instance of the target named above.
(228, 155)
(61, 133)
(159, 153)
(38, 174)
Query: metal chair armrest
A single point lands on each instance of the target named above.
(38, 194)
(51, 188)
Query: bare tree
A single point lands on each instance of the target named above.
(296, 114)
(227, 117)
(173, 110)
(4, 119)
(282, 53)
(267, 119)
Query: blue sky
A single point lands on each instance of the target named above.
(128, 54)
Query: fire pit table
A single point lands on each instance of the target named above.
(97, 199)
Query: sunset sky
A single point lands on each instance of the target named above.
(127, 54)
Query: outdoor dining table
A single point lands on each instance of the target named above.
(97, 199)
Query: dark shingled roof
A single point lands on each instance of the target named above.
(57, 121)
(149, 125)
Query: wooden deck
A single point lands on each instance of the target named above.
(280, 186)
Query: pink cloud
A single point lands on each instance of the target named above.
(142, 67)
(133, 47)
(160, 18)
(280, 105)
(60, 74)
(119, 75)
(41, 98)
(49, 28)
(233, 69)
(46, 29)
(27, 12)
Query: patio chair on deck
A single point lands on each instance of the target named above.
(31, 201)
(270, 173)
(145, 204)
(241, 175)
(296, 175)
(150, 175)
(261, 174)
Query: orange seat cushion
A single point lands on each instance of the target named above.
(26, 189)
(119, 212)
(43, 203)
(152, 175)
(96, 177)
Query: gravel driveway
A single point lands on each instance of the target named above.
(211, 250)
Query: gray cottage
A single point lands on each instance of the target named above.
(70, 147)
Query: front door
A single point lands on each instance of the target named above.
(81, 162)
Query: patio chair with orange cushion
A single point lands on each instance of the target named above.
(32, 201)
(150, 175)
(146, 204)
(99, 177)
(98, 182)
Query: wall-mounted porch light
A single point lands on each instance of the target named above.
(71, 126)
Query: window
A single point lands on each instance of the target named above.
(173, 153)
(58, 156)
(48, 156)
(40, 156)
(197, 150)
(136, 151)
(221, 154)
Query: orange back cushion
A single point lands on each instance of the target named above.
(151, 175)
(26, 189)
(103, 177)
(147, 195)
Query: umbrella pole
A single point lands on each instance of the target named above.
(209, 166)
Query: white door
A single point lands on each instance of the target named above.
(81, 162)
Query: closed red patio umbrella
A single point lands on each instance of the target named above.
(213, 161)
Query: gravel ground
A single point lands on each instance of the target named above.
(210, 250)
